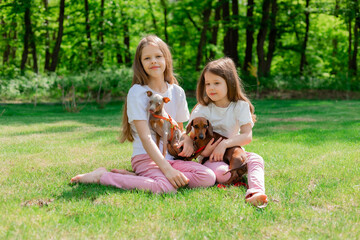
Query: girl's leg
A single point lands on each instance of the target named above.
(149, 177)
(256, 192)
(199, 175)
(91, 177)
(219, 168)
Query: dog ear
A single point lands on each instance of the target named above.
(166, 99)
(210, 128)
(149, 93)
(189, 126)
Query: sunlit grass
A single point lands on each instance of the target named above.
(311, 153)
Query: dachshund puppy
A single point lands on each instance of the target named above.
(202, 134)
(163, 125)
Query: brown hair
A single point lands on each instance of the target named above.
(225, 68)
(141, 77)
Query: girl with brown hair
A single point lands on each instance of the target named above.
(223, 102)
(153, 71)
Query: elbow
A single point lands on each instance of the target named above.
(249, 138)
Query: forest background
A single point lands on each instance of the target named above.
(52, 50)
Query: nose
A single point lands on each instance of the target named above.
(153, 60)
(201, 136)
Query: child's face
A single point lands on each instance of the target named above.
(153, 61)
(216, 89)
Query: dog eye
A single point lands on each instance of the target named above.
(196, 126)
(205, 126)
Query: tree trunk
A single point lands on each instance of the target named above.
(206, 17)
(261, 37)
(6, 37)
(249, 34)
(47, 38)
(353, 61)
(100, 37)
(164, 5)
(88, 32)
(55, 54)
(303, 49)
(153, 17)
(272, 38)
(126, 38)
(215, 28)
(350, 43)
(27, 27)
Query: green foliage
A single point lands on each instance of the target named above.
(327, 51)
(114, 80)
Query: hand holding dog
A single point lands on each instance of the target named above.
(210, 147)
(188, 147)
(219, 151)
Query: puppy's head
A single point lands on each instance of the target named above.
(201, 127)
(156, 102)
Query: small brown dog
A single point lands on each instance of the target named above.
(202, 134)
(163, 125)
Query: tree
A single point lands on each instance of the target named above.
(55, 54)
(88, 32)
(249, 34)
(264, 64)
(29, 39)
(306, 37)
(231, 30)
(206, 16)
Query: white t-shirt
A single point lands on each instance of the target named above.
(225, 121)
(137, 101)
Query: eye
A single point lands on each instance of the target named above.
(205, 126)
(196, 126)
(159, 56)
(147, 58)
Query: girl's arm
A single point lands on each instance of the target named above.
(245, 137)
(186, 143)
(176, 178)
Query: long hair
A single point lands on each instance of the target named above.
(141, 77)
(225, 68)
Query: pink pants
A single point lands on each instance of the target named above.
(255, 165)
(150, 177)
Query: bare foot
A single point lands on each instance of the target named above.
(91, 177)
(122, 171)
(257, 199)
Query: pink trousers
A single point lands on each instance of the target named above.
(150, 177)
(255, 165)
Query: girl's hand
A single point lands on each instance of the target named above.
(210, 147)
(188, 146)
(243, 156)
(176, 178)
(218, 153)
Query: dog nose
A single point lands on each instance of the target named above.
(201, 136)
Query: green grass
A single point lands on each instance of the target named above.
(311, 153)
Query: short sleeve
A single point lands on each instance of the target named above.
(136, 103)
(183, 113)
(199, 111)
(243, 113)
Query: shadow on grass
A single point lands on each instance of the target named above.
(80, 191)
(25, 114)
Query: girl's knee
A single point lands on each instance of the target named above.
(255, 158)
(222, 174)
(210, 178)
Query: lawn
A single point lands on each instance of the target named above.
(312, 173)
